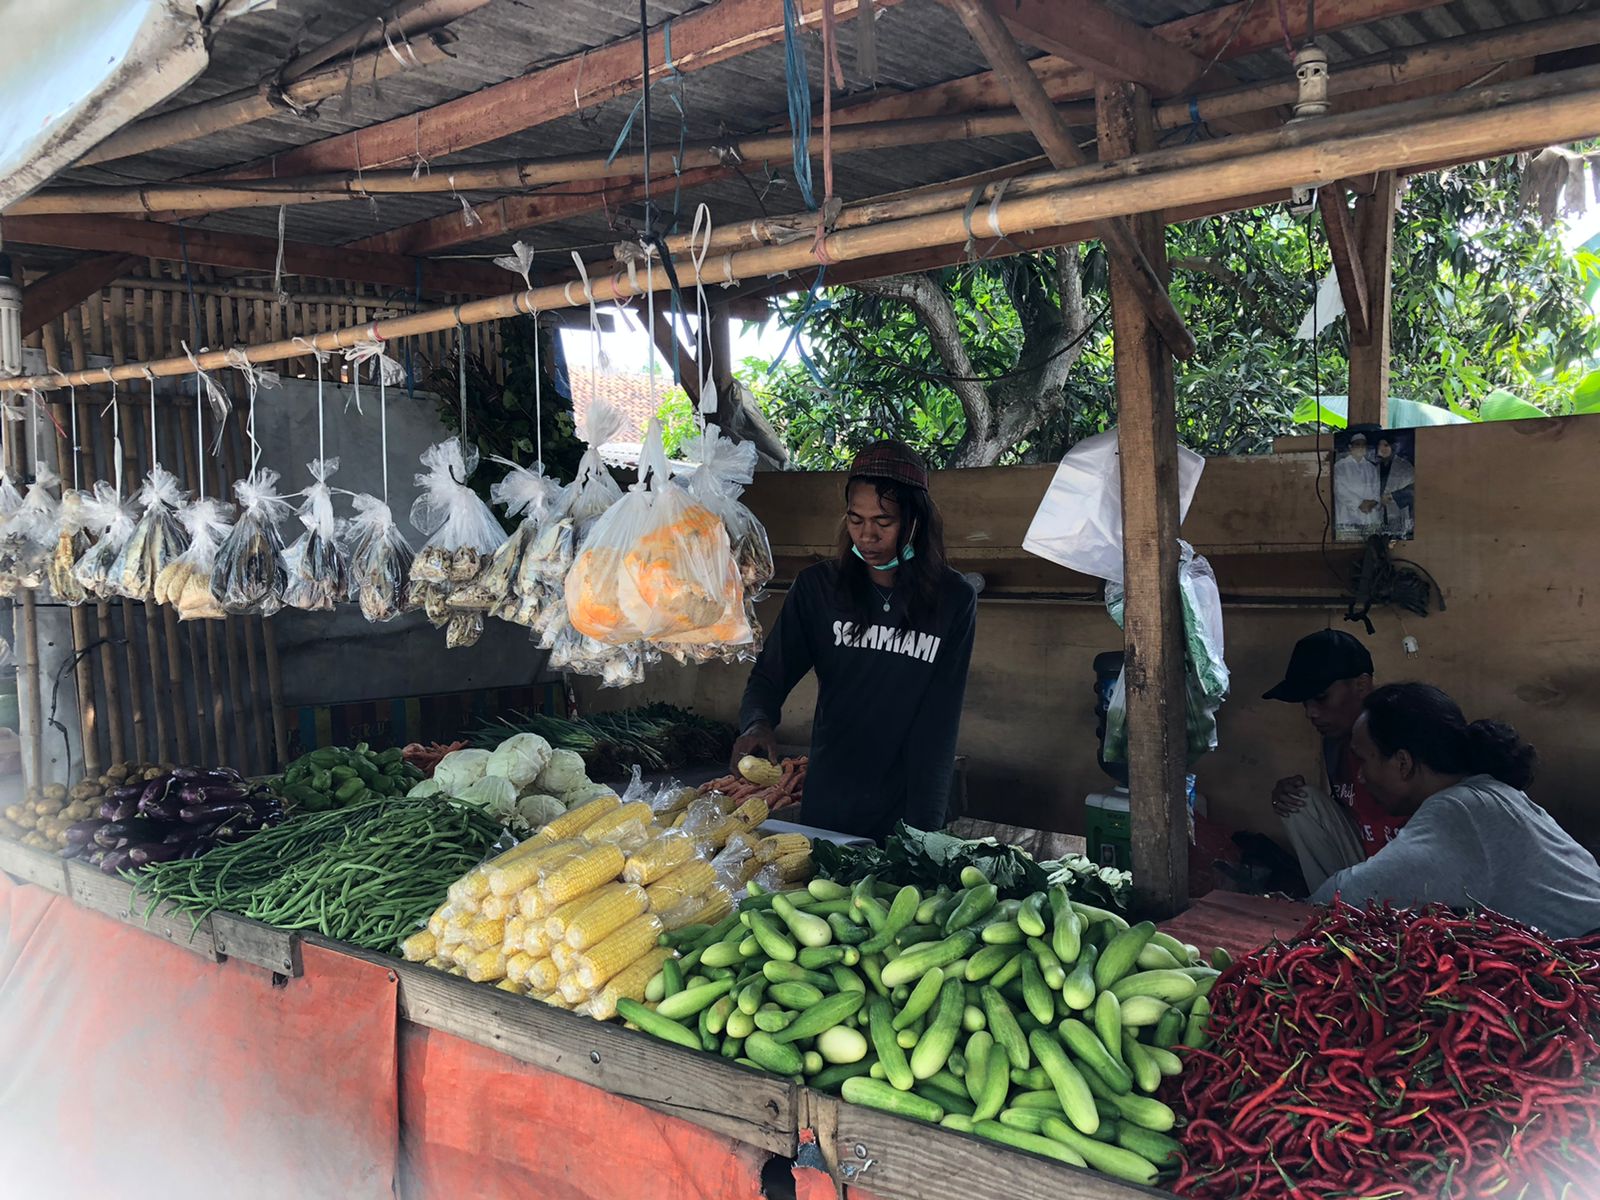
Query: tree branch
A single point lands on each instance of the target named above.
(1234, 281)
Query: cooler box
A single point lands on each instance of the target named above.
(1106, 829)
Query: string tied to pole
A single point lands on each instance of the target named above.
(116, 438)
(370, 349)
(214, 394)
(255, 378)
(322, 357)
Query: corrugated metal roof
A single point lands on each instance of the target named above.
(920, 42)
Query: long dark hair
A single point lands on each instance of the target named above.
(922, 527)
(1424, 721)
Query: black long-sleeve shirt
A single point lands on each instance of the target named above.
(883, 741)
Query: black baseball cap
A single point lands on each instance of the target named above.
(1320, 660)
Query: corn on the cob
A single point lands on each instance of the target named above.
(678, 821)
(658, 858)
(438, 920)
(541, 997)
(495, 908)
(793, 867)
(714, 905)
(674, 802)
(419, 947)
(691, 879)
(456, 929)
(717, 836)
(487, 966)
(438, 964)
(779, 844)
(470, 888)
(562, 955)
(529, 901)
(517, 967)
(540, 928)
(601, 961)
(609, 827)
(505, 985)
(511, 877)
(558, 922)
(581, 874)
(630, 983)
(516, 930)
(602, 917)
(543, 975)
(572, 992)
(462, 954)
(752, 812)
(485, 933)
(575, 821)
(457, 971)
(524, 847)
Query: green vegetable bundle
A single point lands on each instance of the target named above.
(657, 737)
(1041, 1023)
(339, 776)
(368, 874)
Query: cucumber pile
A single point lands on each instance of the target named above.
(341, 776)
(1041, 1023)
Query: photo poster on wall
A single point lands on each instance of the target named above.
(1374, 483)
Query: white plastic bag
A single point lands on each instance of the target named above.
(70, 544)
(28, 536)
(186, 582)
(1078, 524)
(462, 535)
(112, 520)
(379, 561)
(157, 540)
(249, 574)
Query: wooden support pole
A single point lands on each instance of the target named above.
(1347, 263)
(127, 413)
(1153, 670)
(1028, 94)
(1369, 359)
(677, 356)
(718, 342)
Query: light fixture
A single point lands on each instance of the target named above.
(10, 320)
(1311, 73)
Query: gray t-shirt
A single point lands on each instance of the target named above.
(1482, 844)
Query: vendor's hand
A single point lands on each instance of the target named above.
(760, 741)
(1287, 797)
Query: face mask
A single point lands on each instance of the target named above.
(904, 556)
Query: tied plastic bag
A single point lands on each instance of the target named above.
(113, 520)
(185, 583)
(380, 561)
(249, 574)
(581, 503)
(657, 566)
(462, 536)
(513, 580)
(71, 542)
(726, 468)
(1078, 524)
(316, 567)
(157, 539)
(27, 537)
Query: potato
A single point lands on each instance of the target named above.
(77, 811)
(120, 771)
(46, 809)
(14, 813)
(83, 789)
(153, 774)
(31, 796)
(56, 792)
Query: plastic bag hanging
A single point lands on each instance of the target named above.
(185, 583)
(249, 574)
(28, 536)
(726, 468)
(462, 535)
(71, 543)
(316, 565)
(657, 566)
(158, 538)
(112, 520)
(511, 583)
(380, 561)
(581, 503)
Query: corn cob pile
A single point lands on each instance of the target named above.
(723, 827)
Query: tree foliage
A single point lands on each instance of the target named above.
(1486, 301)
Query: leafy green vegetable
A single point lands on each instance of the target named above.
(926, 859)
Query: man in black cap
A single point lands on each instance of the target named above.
(1330, 674)
(887, 626)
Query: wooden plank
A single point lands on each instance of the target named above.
(1369, 359)
(897, 1159)
(153, 239)
(1103, 42)
(115, 898)
(34, 866)
(45, 299)
(998, 46)
(1152, 616)
(705, 1090)
(1346, 259)
(277, 950)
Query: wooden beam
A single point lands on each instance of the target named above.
(1225, 33)
(46, 299)
(1369, 359)
(1346, 259)
(152, 239)
(713, 34)
(1103, 42)
(680, 360)
(1001, 50)
(511, 214)
(1153, 670)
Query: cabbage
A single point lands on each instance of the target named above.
(519, 759)
(490, 793)
(539, 810)
(459, 769)
(584, 793)
(428, 787)
(564, 771)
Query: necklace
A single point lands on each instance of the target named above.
(886, 596)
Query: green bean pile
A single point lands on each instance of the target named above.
(368, 875)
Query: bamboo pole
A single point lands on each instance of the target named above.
(232, 642)
(83, 670)
(280, 724)
(163, 700)
(128, 416)
(203, 675)
(1488, 120)
(255, 104)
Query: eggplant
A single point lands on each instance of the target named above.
(187, 774)
(125, 792)
(107, 807)
(106, 836)
(95, 859)
(151, 852)
(197, 847)
(113, 862)
(72, 850)
(81, 832)
(125, 810)
(223, 775)
(223, 793)
(180, 836)
(153, 793)
(163, 810)
(201, 814)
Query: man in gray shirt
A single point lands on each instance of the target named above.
(1473, 839)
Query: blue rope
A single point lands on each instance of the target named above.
(794, 59)
(814, 303)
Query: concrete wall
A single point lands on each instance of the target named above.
(1506, 523)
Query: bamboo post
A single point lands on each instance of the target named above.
(1369, 356)
(30, 711)
(162, 704)
(223, 319)
(128, 415)
(206, 682)
(83, 671)
(1153, 620)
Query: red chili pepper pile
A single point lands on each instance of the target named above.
(1391, 1053)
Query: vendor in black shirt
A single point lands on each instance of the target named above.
(887, 626)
